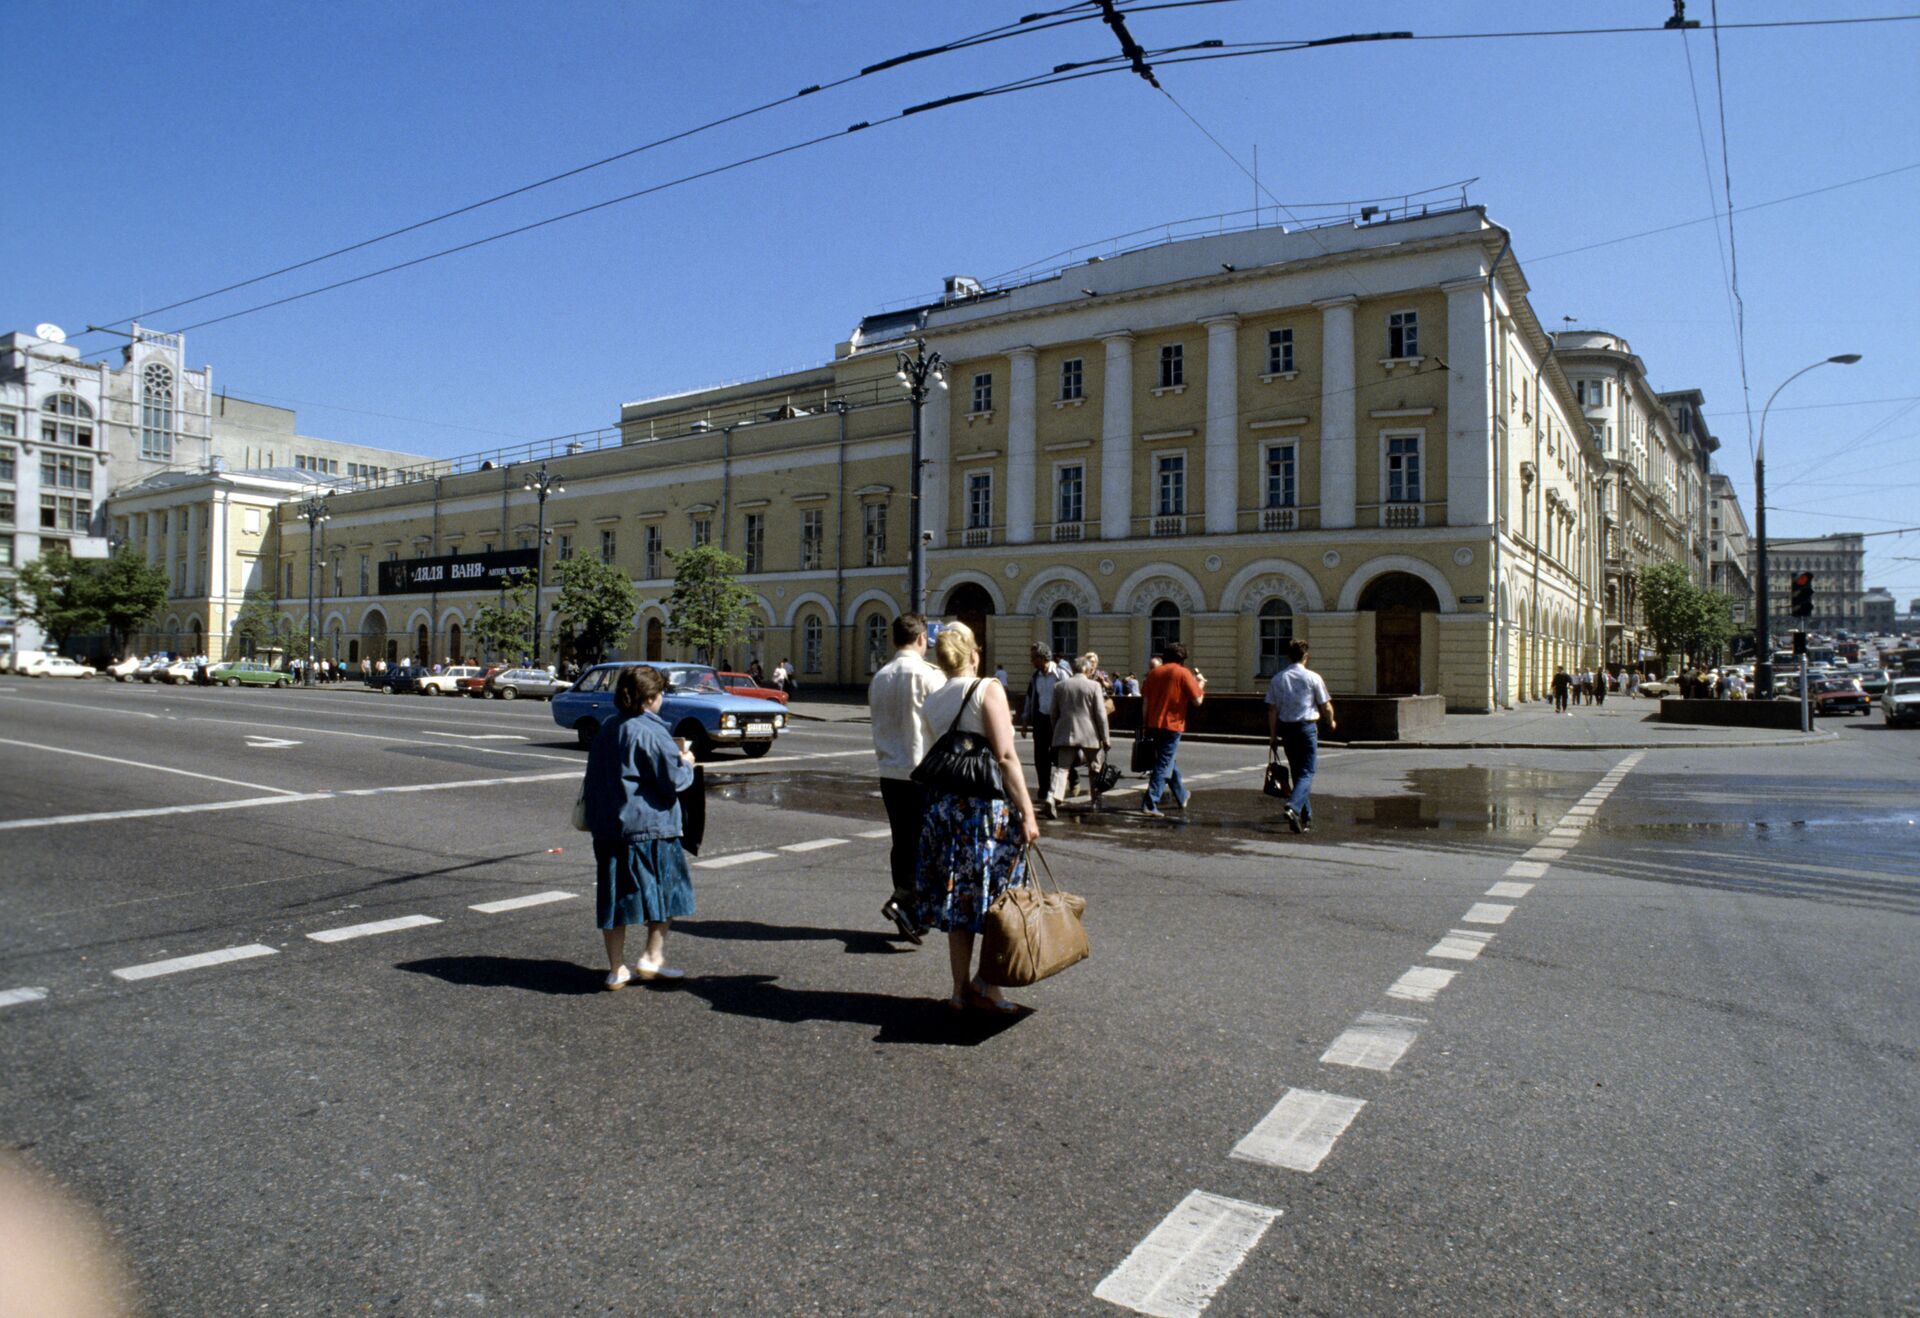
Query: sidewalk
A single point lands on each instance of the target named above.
(1623, 723)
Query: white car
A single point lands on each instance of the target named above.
(447, 683)
(26, 661)
(150, 667)
(179, 672)
(60, 666)
(1901, 703)
(123, 669)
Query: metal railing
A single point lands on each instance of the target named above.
(1168, 524)
(975, 536)
(1064, 531)
(1278, 519)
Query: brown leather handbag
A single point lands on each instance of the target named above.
(1030, 933)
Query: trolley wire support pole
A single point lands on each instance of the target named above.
(541, 484)
(316, 512)
(915, 369)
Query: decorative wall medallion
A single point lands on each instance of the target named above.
(1331, 558)
(1213, 562)
(1106, 567)
(1463, 556)
(779, 592)
(1013, 570)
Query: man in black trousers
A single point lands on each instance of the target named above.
(896, 699)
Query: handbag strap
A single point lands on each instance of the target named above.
(958, 713)
(1033, 850)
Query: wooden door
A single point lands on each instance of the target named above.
(1396, 643)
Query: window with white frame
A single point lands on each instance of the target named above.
(1275, 628)
(979, 500)
(983, 392)
(65, 471)
(1070, 493)
(1403, 334)
(609, 545)
(1280, 476)
(156, 412)
(69, 420)
(756, 553)
(1589, 393)
(563, 547)
(1063, 631)
(873, 534)
(876, 638)
(702, 531)
(7, 512)
(339, 576)
(59, 512)
(1403, 469)
(1279, 351)
(813, 634)
(6, 551)
(1163, 627)
(813, 537)
(7, 459)
(1170, 489)
(1072, 379)
(651, 545)
(1173, 365)
(9, 426)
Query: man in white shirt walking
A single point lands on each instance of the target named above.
(896, 699)
(1296, 700)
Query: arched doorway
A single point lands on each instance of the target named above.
(422, 645)
(373, 632)
(656, 640)
(969, 602)
(453, 642)
(1396, 600)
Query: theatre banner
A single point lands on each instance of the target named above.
(424, 576)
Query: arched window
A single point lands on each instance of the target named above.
(68, 420)
(1163, 627)
(1063, 631)
(1276, 629)
(812, 641)
(876, 639)
(156, 413)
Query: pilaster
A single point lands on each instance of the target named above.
(1223, 411)
(1021, 428)
(936, 418)
(1116, 439)
(1338, 461)
(1470, 406)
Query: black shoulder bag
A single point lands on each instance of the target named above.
(961, 762)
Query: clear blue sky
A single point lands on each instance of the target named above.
(158, 151)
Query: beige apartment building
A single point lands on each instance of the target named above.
(1354, 434)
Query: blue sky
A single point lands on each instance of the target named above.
(162, 151)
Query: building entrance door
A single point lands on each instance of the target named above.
(972, 605)
(1397, 600)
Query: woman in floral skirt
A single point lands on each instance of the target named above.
(972, 850)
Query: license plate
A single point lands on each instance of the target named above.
(759, 729)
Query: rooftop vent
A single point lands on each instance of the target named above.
(961, 287)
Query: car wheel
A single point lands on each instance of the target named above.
(506, 693)
(233, 681)
(586, 729)
(755, 749)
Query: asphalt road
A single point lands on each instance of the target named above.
(1671, 1070)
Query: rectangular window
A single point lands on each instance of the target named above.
(756, 558)
(1072, 376)
(608, 546)
(1171, 489)
(64, 471)
(874, 527)
(1070, 494)
(1280, 487)
(339, 577)
(702, 531)
(1403, 334)
(9, 425)
(6, 551)
(6, 463)
(563, 547)
(363, 574)
(287, 593)
(1279, 351)
(58, 512)
(1173, 365)
(983, 392)
(6, 508)
(813, 535)
(979, 500)
(653, 552)
(1403, 469)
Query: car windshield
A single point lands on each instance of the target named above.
(1908, 687)
(694, 679)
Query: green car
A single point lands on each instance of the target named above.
(251, 672)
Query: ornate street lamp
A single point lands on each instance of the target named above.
(541, 484)
(315, 511)
(916, 368)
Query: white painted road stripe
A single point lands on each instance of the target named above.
(1421, 984)
(1183, 1262)
(1300, 1131)
(876, 832)
(1462, 944)
(519, 903)
(1545, 853)
(1509, 890)
(1486, 913)
(195, 962)
(816, 844)
(14, 997)
(149, 768)
(1526, 869)
(345, 932)
(1374, 1042)
(737, 858)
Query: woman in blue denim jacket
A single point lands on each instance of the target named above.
(635, 773)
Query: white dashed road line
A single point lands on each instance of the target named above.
(737, 858)
(1526, 869)
(1462, 944)
(346, 932)
(14, 997)
(1421, 984)
(1509, 889)
(1486, 913)
(1300, 1131)
(816, 844)
(195, 962)
(876, 832)
(1183, 1262)
(149, 768)
(521, 903)
(1374, 1042)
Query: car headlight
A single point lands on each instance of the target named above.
(779, 720)
(727, 720)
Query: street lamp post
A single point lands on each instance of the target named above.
(316, 512)
(541, 483)
(1763, 603)
(916, 368)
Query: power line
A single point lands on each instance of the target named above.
(1706, 161)
(1733, 246)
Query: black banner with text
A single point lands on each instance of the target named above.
(423, 576)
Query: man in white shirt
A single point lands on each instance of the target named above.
(1296, 701)
(896, 699)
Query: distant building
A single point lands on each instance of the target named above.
(1877, 610)
(1836, 562)
(1727, 554)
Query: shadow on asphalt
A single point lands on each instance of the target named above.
(898, 1020)
(562, 978)
(752, 931)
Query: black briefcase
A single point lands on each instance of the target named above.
(1279, 779)
(693, 812)
(1142, 760)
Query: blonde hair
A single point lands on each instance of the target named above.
(953, 647)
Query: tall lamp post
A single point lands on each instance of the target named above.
(916, 368)
(315, 511)
(542, 483)
(1763, 611)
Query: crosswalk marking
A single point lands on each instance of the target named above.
(350, 931)
(1374, 1042)
(519, 903)
(1176, 1271)
(1421, 984)
(14, 997)
(1462, 944)
(1509, 890)
(815, 844)
(1486, 913)
(737, 858)
(175, 965)
(1300, 1131)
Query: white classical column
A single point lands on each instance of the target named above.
(1223, 424)
(173, 550)
(1021, 446)
(1116, 439)
(150, 537)
(935, 449)
(217, 550)
(196, 523)
(1470, 404)
(1337, 409)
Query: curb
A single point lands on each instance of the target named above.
(1800, 739)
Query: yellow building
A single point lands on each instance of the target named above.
(1354, 434)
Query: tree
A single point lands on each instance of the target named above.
(597, 604)
(709, 609)
(256, 624)
(126, 591)
(505, 629)
(53, 592)
(1683, 618)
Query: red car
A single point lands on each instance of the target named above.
(477, 686)
(1839, 695)
(742, 684)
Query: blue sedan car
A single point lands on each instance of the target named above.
(695, 706)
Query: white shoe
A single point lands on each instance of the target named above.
(646, 969)
(617, 978)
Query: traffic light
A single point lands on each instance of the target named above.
(1802, 595)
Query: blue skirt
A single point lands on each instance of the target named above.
(970, 853)
(640, 881)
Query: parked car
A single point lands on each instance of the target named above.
(476, 685)
(742, 684)
(1839, 695)
(150, 667)
(1874, 681)
(60, 666)
(179, 672)
(696, 706)
(446, 682)
(1657, 687)
(377, 678)
(405, 680)
(251, 672)
(25, 661)
(123, 669)
(1901, 701)
(536, 683)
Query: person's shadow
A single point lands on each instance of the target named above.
(895, 1019)
(561, 978)
(861, 941)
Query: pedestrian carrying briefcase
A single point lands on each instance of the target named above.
(1279, 779)
(1030, 933)
(1142, 760)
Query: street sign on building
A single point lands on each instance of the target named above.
(423, 576)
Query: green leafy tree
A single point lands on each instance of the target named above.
(256, 625)
(596, 607)
(54, 592)
(709, 608)
(505, 629)
(1684, 619)
(126, 591)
